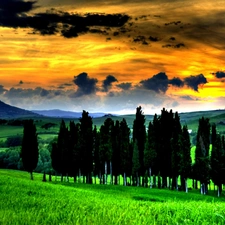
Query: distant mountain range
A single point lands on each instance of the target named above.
(11, 112)
(65, 114)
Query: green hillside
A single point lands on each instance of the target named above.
(36, 202)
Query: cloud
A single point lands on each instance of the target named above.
(13, 14)
(194, 81)
(179, 45)
(14, 7)
(140, 39)
(2, 89)
(176, 81)
(187, 97)
(158, 83)
(107, 83)
(153, 39)
(86, 85)
(65, 85)
(44, 93)
(124, 86)
(219, 74)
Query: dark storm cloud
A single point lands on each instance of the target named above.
(141, 40)
(14, 7)
(153, 39)
(219, 74)
(157, 83)
(86, 85)
(13, 14)
(107, 83)
(160, 83)
(124, 86)
(179, 45)
(23, 93)
(176, 81)
(2, 89)
(44, 93)
(194, 81)
(62, 86)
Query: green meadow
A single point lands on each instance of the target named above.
(35, 202)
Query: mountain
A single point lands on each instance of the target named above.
(65, 114)
(10, 112)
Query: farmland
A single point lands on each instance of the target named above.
(36, 202)
(45, 135)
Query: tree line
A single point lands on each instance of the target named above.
(153, 155)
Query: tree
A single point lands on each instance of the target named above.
(136, 163)
(74, 149)
(202, 163)
(185, 165)
(63, 149)
(86, 145)
(96, 159)
(150, 151)
(124, 149)
(29, 150)
(116, 142)
(105, 145)
(165, 151)
(176, 147)
(139, 137)
(217, 160)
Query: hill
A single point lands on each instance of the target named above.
(37, 202)
(10, 112)
(64, 114)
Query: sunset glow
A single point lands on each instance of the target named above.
(158, 54)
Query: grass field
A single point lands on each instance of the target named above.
(35, 202)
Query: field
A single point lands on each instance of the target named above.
(35, 202)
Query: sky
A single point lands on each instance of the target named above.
(113, 56)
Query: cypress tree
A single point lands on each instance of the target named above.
(86, 145)
(136, 164)
(105, 148)
(139, 138)
(125, 151)
(96, 158)
(202, 163)
(186, 163)
(217, 160)
(157, 144)
(116, 142)
(74, 149)
(63, 150)
(176, 147)
(150, 151)
(165, 150)
(29, 150)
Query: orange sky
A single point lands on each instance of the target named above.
(158, 54)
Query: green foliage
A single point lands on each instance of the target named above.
(38, 202)
(10, 158)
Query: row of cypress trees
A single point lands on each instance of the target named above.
(161, 150)
(160, 153)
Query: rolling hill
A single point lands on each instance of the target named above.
(10, 112)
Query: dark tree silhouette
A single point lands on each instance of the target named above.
(202, 163)
(29, 150)
(139, 138)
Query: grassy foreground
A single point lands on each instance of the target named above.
(23, 201)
